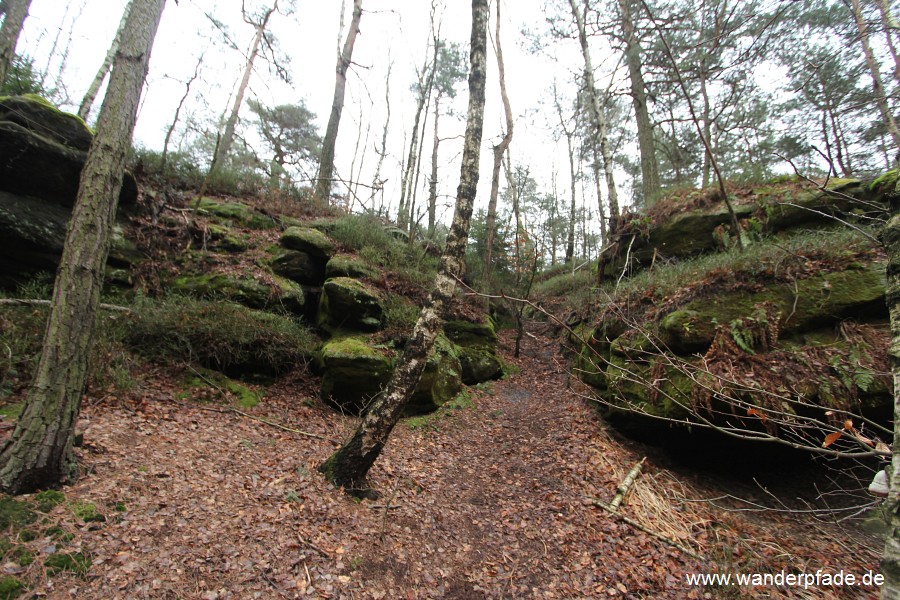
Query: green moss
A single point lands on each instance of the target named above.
(12, 410)
(87, 512)
(235, 211)
(76, 562)
(10, 587)
(46, 500)
(344, 265)
(15, 513)
(350, 304)
(307, 240)
(207, 384)
(23, 556)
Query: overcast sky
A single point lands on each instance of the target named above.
(391, 30)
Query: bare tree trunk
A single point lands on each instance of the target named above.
(596, 111)
(326, 164)
(432, 183)
(425, 83)
(39, 453)
(890, 561)
(16, 13)
(649, 166)
(349, 465)
(377, 183)
(85, 109)
(223, 147)
(604, 224)
(570, 243)
(872, 62)
(171, 129)
(499, 150)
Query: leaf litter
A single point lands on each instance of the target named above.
(493, 500)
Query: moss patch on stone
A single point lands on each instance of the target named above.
(307, 240)
(350, 305)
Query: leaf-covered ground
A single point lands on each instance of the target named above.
(492, 499)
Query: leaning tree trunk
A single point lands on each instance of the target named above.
(223, 147)
(16, 13)
(499, 150)
(39, 453)
(88, 101)
(349, 465)
(326, 163)
(890, 562)
(877, 84)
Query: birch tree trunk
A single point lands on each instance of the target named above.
(649, 166)
(877, 84)
(85, 109)
(890, 561)
(596, 112)
(349, 465)
(227, 139)
(39, 452)
(16, 13)
(326, 163)
(499, 150)
(432, 182)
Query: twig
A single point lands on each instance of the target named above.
(230, 409)
(30, 302)
(626, 483)
(675, 544)
(309, 544)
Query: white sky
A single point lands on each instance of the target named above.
(395, 28)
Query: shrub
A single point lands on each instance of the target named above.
(222, 336)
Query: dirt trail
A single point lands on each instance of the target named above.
(484, 501)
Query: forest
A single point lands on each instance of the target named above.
(372, 299)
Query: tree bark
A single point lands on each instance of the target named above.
(377, 182)
(326, 164)
(16, 13)
(499, 150)
(349, 465)
(85, 109)
(890, 26)
(650, 184)
(39, 452)
(877, 84)
(890, 562)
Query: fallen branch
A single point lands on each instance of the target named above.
(626, 483)
(671, 542)
(613, 507)
(231, 409)
(30, 302)
(306, 542)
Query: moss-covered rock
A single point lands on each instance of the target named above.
(807, 304)
(299, 266)
(284, 295)
(308, 240)
(441, 381)
(477, 351)
(42, 151)
(344, 265)
(224, 238)
(236, 213)
(353, 372)
(350, 305)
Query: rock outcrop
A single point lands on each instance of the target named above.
(804, 327)
(42, 152)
